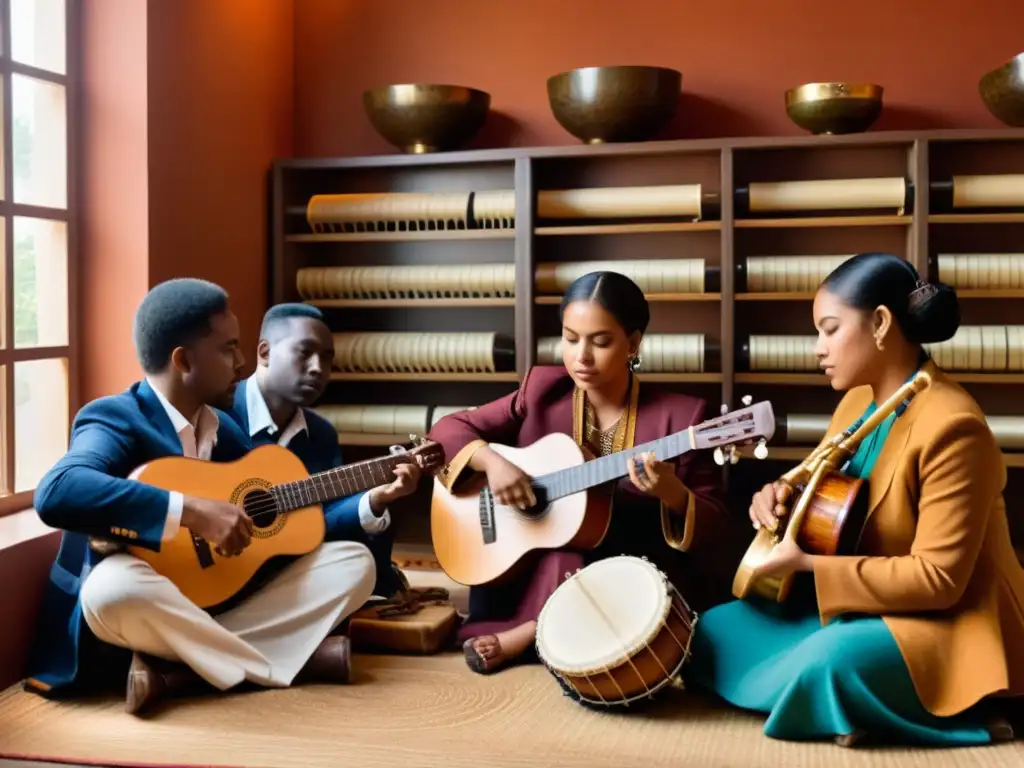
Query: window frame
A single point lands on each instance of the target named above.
(9, 355)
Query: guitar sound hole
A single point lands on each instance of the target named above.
(539, 509)
(261, 507)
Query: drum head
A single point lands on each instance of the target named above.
(602, 615)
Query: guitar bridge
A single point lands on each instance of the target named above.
(203, 551)
(487, 516)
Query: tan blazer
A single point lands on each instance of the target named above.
(935, 559)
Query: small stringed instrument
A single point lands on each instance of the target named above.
(477, 540)
(284, 501)
(829, 507)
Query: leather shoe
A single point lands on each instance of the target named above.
(151, 679)
(1000, 730)
(330, 663)
(850, 739)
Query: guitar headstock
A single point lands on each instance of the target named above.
(754, 423)
(429, 454)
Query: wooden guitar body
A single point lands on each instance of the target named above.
(828, 508)
(473, 551)
(830, 525)
(189, 561)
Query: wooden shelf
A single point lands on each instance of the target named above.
(651, 297)
(783, 379)
(680, 378)
(400, 237)
(820, 379)
(971, 377)
(814, 222)
(408, 303)
(1013, 460)
(774, 296)
(976, 218)
(509, 376)
(652, 378)
(990, 293)
(966, 293)
(629, 229)
(784, 453)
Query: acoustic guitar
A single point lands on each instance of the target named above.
(284, 501)
(477, 540)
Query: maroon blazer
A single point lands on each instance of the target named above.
(698, 548)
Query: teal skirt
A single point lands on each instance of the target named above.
(818, 682)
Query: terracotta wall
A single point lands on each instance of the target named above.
(114, 198)
(186, 104)
(220, 111)
(737, 58)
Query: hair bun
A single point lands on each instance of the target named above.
(933, 312)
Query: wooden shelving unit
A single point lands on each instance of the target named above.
(726, 236)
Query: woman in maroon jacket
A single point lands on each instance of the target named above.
(672, 513)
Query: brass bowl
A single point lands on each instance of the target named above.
(834, 108)
(420, 117)
(610, 104)
(1002, 90)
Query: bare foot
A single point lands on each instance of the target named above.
(489, 653)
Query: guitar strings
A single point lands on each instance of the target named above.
(270, 506)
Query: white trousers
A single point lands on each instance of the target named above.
(266, 639)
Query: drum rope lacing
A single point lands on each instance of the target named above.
(629, 654)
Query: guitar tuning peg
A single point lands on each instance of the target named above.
(734, 455)
(747, 399)
(724, 409)
(719, 457)
(761, 450)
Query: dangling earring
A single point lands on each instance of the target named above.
(634, 363)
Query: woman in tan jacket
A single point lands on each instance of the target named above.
(911, 638)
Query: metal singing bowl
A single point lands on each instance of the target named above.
(611, 104)
(1002, 90)
(420, 117)
(834, 108)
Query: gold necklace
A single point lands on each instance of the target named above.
(602, 439)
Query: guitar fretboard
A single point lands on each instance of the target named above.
(566, 482)
(337, 483)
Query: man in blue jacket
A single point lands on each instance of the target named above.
(186, 339)
(294, 358)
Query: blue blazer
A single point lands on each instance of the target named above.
(319, 451)
(87, 493)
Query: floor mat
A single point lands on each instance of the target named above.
(420, 712)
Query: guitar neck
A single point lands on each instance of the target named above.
(337, 483)
(566, 482)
